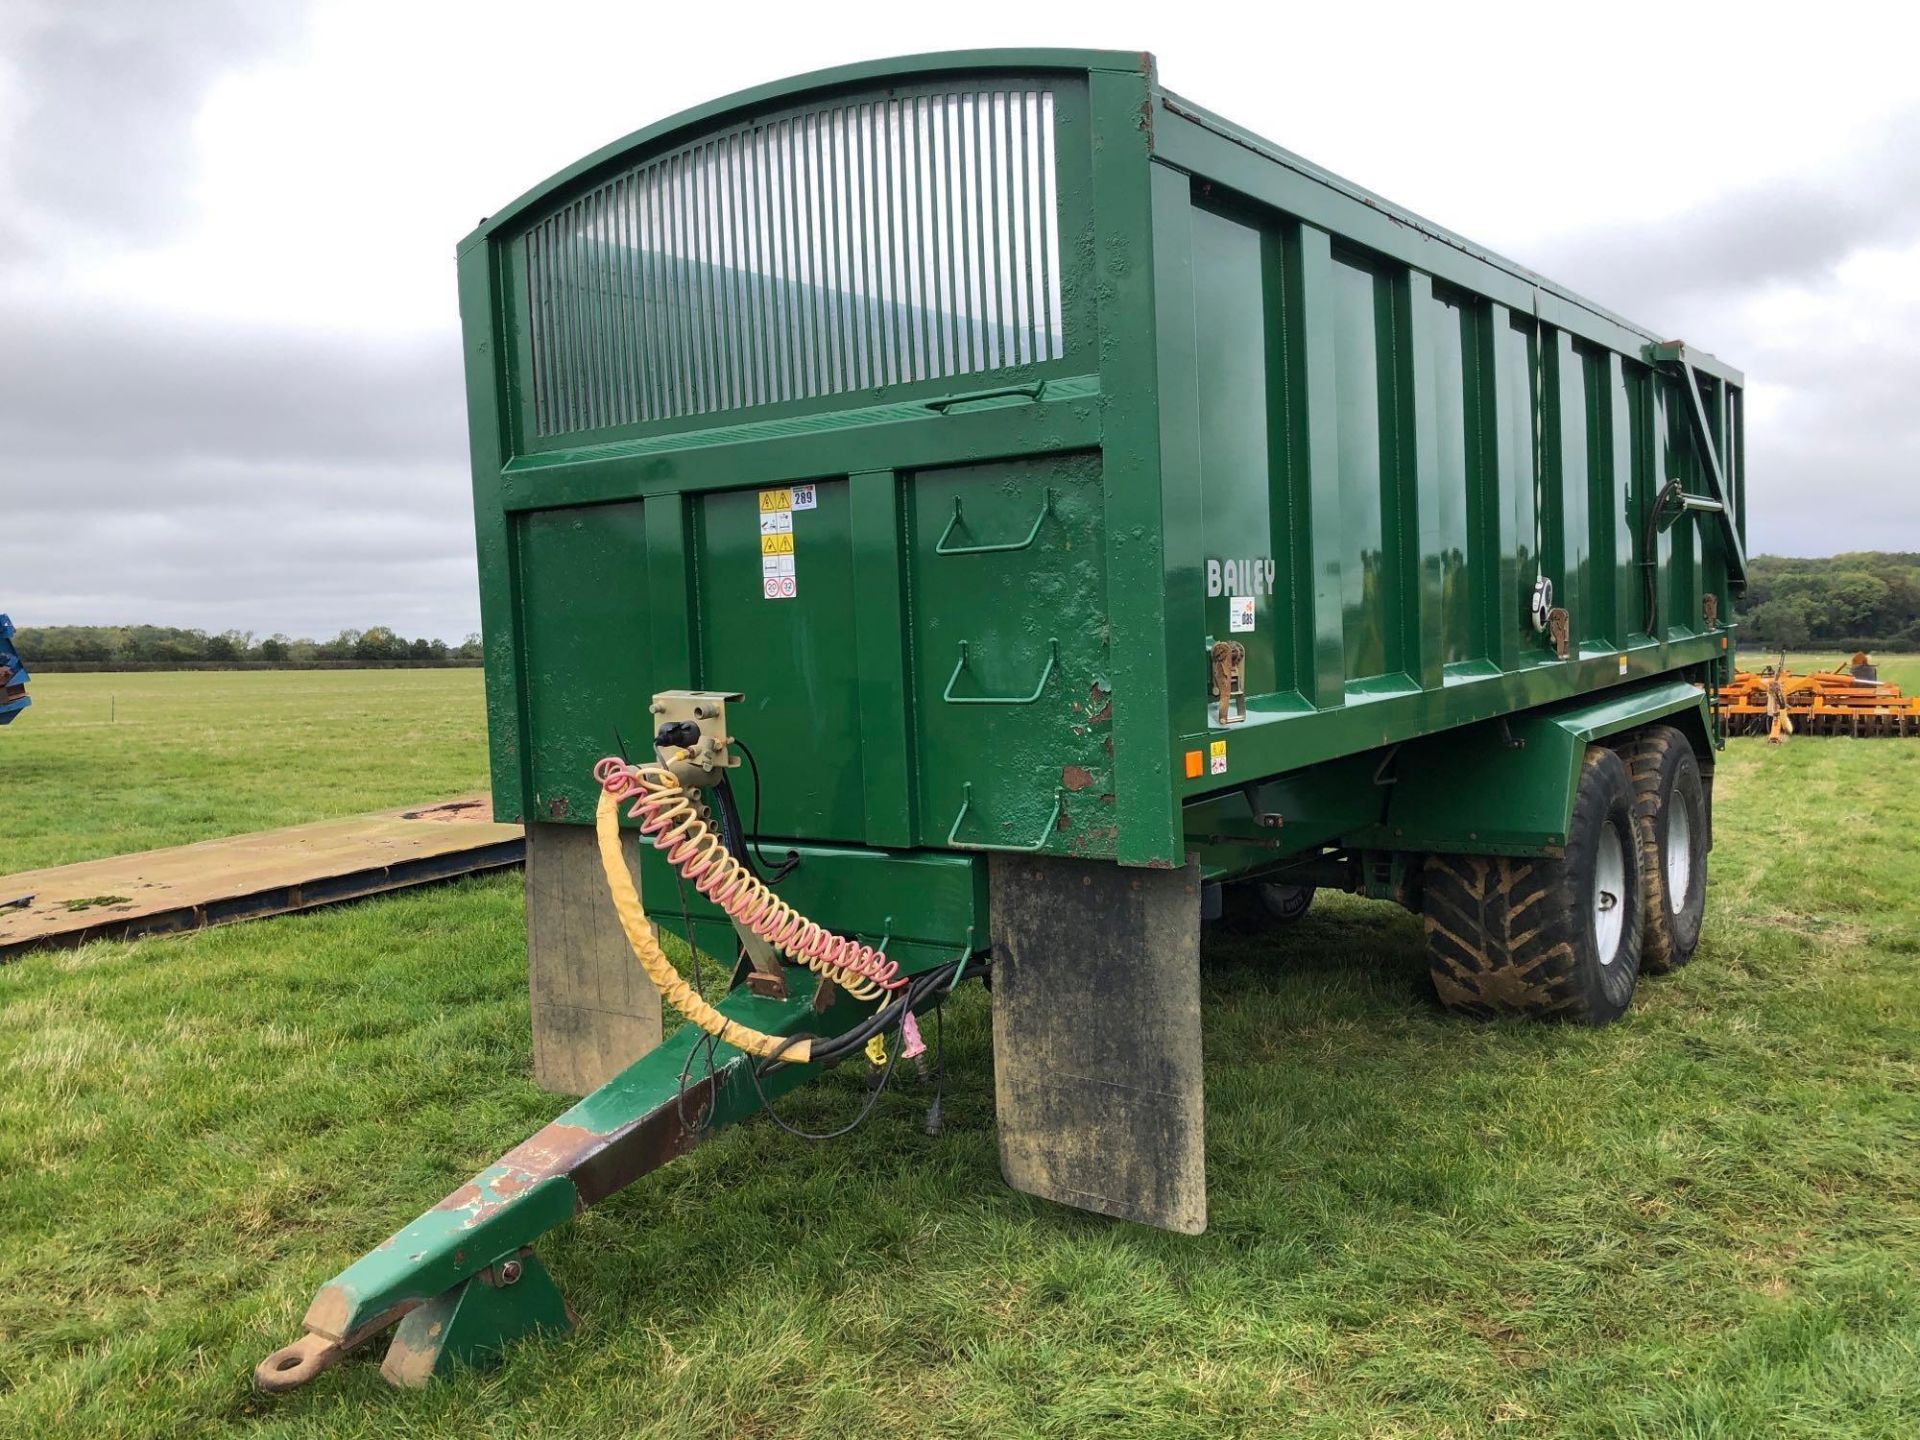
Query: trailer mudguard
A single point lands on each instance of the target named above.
(1506, 787)
(1096, 1037)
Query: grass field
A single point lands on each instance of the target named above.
(1703, 1222)
(106, 764)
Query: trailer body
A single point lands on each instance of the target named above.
(1050, 381)
(1101, 512)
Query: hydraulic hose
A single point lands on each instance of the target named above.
(646, 949)
(671, 819)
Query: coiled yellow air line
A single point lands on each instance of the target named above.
(646, 949)
(672, 818)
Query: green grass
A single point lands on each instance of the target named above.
(1703, 1222)
(106, 764)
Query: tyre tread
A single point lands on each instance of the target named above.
(1500, 930)
(1647, 754)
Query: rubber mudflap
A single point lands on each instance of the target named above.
(1096, 1037)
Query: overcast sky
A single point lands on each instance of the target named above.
(229, 369)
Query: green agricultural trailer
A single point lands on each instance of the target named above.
(1087, 520)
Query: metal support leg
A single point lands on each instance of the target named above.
(476, 1320)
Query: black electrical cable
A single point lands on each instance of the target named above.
(873, 1098)
(884, 1018)
(732, 832)
(888, 1017)
(786, 866)
(936, 985)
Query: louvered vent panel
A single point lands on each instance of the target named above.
(866, 244)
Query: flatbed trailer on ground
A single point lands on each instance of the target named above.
(251, 876)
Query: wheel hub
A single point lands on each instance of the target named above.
(1679, 853)
(1609, 895)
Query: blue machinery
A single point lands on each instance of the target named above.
(13, 675)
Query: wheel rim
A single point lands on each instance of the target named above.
(1609, 895)
(1679, 852)
(1286, 902)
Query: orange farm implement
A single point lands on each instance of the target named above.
(1824, 703)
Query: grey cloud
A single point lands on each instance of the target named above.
(113, 89)
(204, 492)
(186, 472)
(276, 562)
(133, 384)
(1796, 228)
(1834, 452)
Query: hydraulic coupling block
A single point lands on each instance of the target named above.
(691, 736)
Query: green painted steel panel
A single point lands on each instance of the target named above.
(1597, 622)
(1385, 431)
(1370, 588)
(1233, 262)
(1010, 625)
(1508, 787)
(1455, 541)
(1147, 660)
(793, 655)
(1519, 380)
(1572, 490)
(883, 658)
(588, 666)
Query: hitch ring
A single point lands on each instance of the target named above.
(292, 1366)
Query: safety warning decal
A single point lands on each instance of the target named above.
(777, 581)
(1217, 757)
(776, 577)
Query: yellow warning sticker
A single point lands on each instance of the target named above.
(776, 543)
(1217, 757)
(1623, 664)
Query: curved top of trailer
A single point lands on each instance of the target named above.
(837, 77)
(1039, 59)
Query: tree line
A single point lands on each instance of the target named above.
(107, 647)
(1866, 600)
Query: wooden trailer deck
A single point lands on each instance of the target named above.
(244, 877)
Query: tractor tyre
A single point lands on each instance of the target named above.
(1670, 807)
(1250, 906)
(1550, 937)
